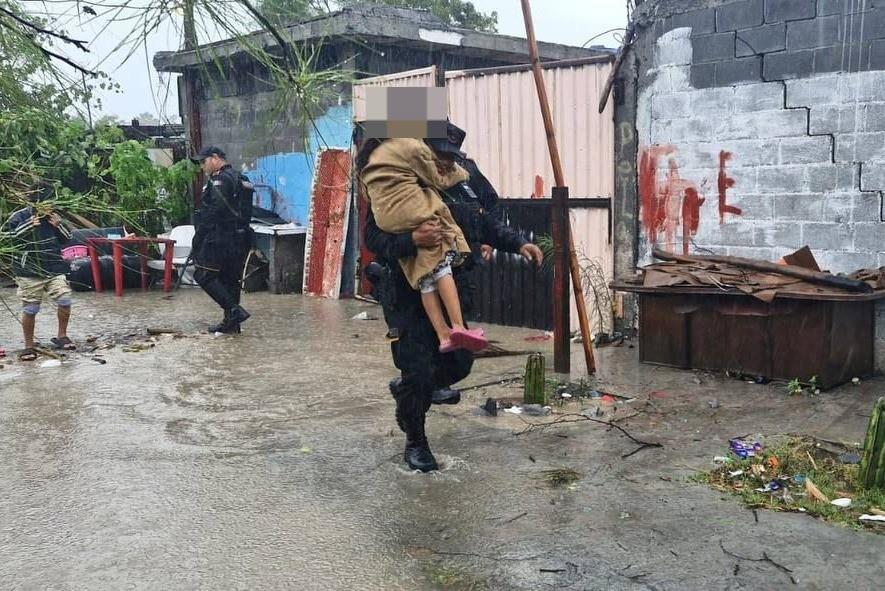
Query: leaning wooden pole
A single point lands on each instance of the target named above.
(577, 284)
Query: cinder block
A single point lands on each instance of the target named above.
(838, 208)
(671, 105)
(819, 32)
(828, 178)
(788, 10)
(778, 234)
(780, 179)
(739, 15)
(763, 254)
(828, 236)
(874, 117)
(759, 97)
(676, 51)
(860, 147)
(846, 262)
(761, 40)
(836, 119)
(866, 208)
(872, 177)
(769, 124)
(874, 24)
(827, 7)
(737, 71)
(736, 232)
(699, 21)
(712, 101)
(863, 87)
(869, 237)
(875, 60)
(838, 58)
(812, 92)
(711, 48)
(787, 65)
(799, 207)
(753, 206)
(806, 150)
(703, 76)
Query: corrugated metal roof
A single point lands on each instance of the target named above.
(411, 78)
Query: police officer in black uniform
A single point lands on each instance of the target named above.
(426, 374)
(223, 236)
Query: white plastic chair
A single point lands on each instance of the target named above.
(183, 237)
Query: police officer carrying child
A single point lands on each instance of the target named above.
(223, 236)
(426, 374)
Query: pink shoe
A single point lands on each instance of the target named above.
(471, 339)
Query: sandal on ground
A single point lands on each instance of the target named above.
(64, 343)
(28, 355)
(471, 339)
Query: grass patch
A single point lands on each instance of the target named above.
(450, 578)
(789, 463)
(560, 477)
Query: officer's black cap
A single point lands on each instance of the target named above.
(450, 144)
(206, 152)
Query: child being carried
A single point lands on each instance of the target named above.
(403, 181)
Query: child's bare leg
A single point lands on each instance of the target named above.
(448, 293)
(430, 300)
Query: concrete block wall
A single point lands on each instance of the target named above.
(761, 128)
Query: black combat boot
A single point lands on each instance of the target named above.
(439, 396)
(221, 326)
(419, 457)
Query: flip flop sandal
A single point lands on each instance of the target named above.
(448, 346)
(64, 343)
(28, 355)
(473, 339)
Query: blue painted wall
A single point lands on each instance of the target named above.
(283, 181)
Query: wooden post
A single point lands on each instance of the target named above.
(553, 147)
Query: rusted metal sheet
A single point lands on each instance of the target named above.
(328, 225)
(505, 132)
(411, 78)
(783, 339)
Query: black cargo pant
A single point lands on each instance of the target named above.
(219, 260)
(415, 351)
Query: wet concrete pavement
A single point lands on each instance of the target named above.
(272, 461)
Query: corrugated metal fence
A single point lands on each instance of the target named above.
(505, 136)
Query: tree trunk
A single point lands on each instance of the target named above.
(872, 465)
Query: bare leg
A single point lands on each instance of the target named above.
(28, 322)
(64, 315)
(430, 300)
(448, 293)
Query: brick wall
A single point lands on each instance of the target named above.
(761, 128)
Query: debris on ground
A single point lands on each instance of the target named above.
(364, 316)
(535, 410)
(491, 407)
(560, 477)
(796, 473)
(545, 336)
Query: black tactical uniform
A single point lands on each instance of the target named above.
(221, 243)
(415, 347)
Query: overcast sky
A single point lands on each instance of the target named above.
(571, 22)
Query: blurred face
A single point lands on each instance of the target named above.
(211, 164)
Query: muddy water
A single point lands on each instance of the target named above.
(271, 461)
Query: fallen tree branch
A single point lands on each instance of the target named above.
(575, 418)
(765, 558)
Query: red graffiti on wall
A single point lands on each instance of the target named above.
(725, 183)
(672, 201)
(667, 201)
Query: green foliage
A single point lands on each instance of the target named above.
(456, 13)
(281, 12)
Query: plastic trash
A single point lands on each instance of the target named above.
(565, 395)
(713, 403)
(535, 410)
(51, 363)
(514, 410)
(721, 459)
(363, 316)
(736, 473)
(843, 502)
(772, 486)
(744, 449)
(849, 458)
(866, 517)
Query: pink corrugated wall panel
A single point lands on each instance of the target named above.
(505, 135)
(411, 78)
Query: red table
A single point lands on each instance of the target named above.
(130, 243)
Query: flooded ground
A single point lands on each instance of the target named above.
(271, 460)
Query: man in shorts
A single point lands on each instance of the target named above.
(39, 268)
